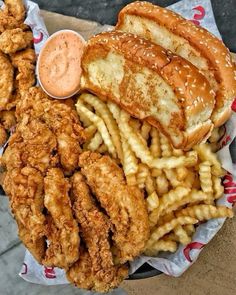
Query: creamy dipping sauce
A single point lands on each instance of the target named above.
(59, 64)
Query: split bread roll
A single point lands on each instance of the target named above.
(151, 84)
(193, 43)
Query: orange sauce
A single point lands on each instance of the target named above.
(59, 64)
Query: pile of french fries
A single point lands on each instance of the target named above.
(180, 187)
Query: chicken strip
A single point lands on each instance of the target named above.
(25, 190)
(36, 247)
(3, 135)
(33, 144)
(16, 8)
(95, 228)
(124, 204)
(6, 80)
(61, 118)
(14, 40)
(24, 61)
(63, 231)
(81, 275)
(8, 22)
(8, 119)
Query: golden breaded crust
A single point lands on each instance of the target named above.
(150, 83)
(214, 60)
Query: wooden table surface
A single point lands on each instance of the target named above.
(213, 274)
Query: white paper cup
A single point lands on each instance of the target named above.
(39, 60)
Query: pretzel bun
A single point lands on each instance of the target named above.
(191, 42)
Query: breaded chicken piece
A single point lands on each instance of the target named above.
(6, 80)
(8, 22)
(24, 188)
(16, 8)
(33, 144)
(36, 247)
(8, 119)
(3, 135)
(63, 231)
(61, 118)
(14, 40)
(124, 204)
(95, 228)
(81, 275)
(24, 61)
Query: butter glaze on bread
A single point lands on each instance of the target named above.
(151, 84)
(193, 43)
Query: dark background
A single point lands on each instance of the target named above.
(105, 12)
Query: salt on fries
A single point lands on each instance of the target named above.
(180, 187)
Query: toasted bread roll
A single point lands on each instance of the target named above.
(151, 84)
(193, 43)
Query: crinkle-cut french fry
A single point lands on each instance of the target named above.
(177, 152)
(169, 199)
(162, 185)
(150, 184)
(205, 177)
(195, 181)
(206, 212)
(182, 173)
(205, 154)
(192, 198)
(217, 187)
(189, 180)
(166, 149)
(142, 174)
(81, 109)
(84, 119)
(188, 160)
(164, 229)
(135, 124)
(145, 130)
(130, 162)
(165, 218)
(90, 131)
(156, 172)
(152, 202)
(111, 124)
(131, 179)
(102, 149)
(135, 141)
(172, 177)
(183, 237)
(161, 245)
(172, 197)
(141, 150)
(155, 147)
(190, 229)
(114, 109)
(95, 142)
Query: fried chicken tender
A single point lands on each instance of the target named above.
(24, 61)
(8, 22)
(33, 144)
(36, 247)
(63, 231)
(95, 228)
(61, 118)
(16, 8)
(81, 275)
(15, 40)
(124, 204)
(3, 135)
(25, 190)
(6, 80)
(8, 119)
